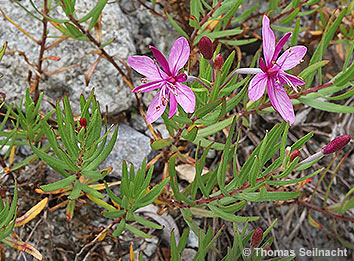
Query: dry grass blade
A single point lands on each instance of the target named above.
(89, 72)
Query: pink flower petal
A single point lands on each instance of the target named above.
(182, 77)
(290, 80)
(147, 67)
(268, 41)
(148, 86)
(257, 86)
(248, 70)
(291, 57)
(281, 101)
(161, 59)
(179, 55)
(185, 97)
(280, 45)
(262, 65)
(156, 108)
(173, 105)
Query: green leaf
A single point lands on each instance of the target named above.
(93, 174)
(291, 181)
(111, 194)
(290, 17)
(100, 5)
(239, 42)
(152, 195)
(75, 193)
(212, 129)
(192, 133)
(233, 207)
(91, 191)
(120, 228)
(97, 10)
(102, 156)
(297, 145)
(2, 50)
(56, 164)
(224, 33)
(146, 223)
(326, 106)
(230, 217)
(162, 143)
(177, 27)
(270, 196)
(74, 32)
(181, 119)
(344, 77)
(326, 38)
(345, 95)
(205, 109)
(114, 214)
(137, 231)
(175, 254)
(183, 240)
(307, 165)
(312, 68)
(59, 184)
(254, 172)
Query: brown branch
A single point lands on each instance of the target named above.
(34, 86)
(126, 78)
(325, 211)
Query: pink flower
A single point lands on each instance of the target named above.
(167, 80)
(272, 73)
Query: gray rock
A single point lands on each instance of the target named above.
(150, 29)
(188, 254)
(131, 146)
(151, 246)
(109, 87)
(193, 241)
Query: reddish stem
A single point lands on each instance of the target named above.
(325, 211)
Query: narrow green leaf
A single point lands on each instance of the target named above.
(160, 144)
(102, 156)
(230, 217)
(153, 194)
(59, 184)
(56, 164)
(177, 27)
(120, 228)
(224, 33)
(114, 214)
(146, 223)
(326, 106)
(137, 231)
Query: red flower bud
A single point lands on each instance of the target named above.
(83, 122)
(206, 47)
(219, 61)
(294, 154)
(257, 237)
(336, 144)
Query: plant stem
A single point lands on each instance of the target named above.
(325, 211)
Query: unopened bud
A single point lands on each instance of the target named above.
(83, 122)
(257, 237)
(294, 154)
(336, 144)
(206, 47)
(219, 62)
